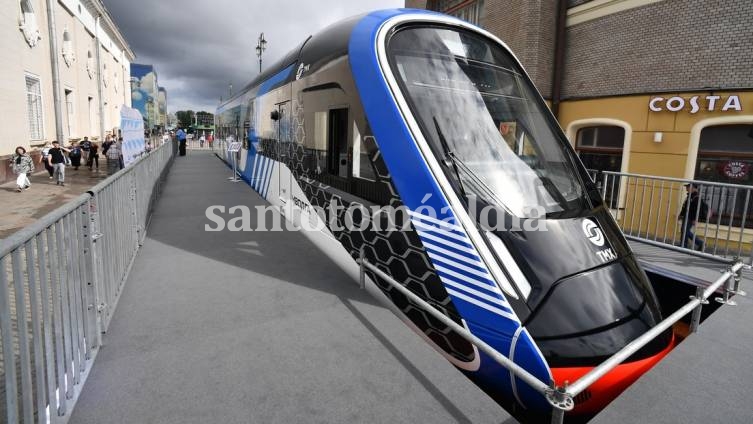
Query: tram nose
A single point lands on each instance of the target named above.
(607, 388)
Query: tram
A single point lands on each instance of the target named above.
(504, 231)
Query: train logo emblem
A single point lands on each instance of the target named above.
(593, 232)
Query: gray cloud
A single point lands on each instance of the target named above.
(199, 47)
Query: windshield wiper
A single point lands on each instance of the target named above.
(449, 156)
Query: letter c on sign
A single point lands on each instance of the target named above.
(675, 104)
(652, 104)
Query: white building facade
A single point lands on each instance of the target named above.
(93, 72)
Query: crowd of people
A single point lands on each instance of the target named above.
(56, 157)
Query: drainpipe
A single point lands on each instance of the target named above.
(55, 72)
(99, 82)
(559, 57)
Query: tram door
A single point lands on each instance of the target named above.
(284, 151)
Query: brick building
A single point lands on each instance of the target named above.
(660, 87)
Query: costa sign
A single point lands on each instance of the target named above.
(709, 103)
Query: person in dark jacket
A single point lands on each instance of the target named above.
(93, 156)
(693, 210)
(75, 155)
(56, 159)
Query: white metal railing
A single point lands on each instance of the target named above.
(562, 397)
(649, 208)
(60, 279)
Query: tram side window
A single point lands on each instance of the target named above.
(362, 167)
(337, 146)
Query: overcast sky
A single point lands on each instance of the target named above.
(199, 47)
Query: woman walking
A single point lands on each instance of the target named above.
(22, 166)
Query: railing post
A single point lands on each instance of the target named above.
(560, 400)
(737, 290)
(695, 320)
(94, 305)
(728, 290)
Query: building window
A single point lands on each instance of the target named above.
(469, 11)
(70, 113)
(28, 23)
(600, 149)
(725, 155)
(34, 107)
(91, 115)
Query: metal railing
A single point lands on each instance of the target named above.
(561, 398)
(650, 209)
(60, 279)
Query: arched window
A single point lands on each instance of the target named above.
(600, 149)
(725, 155)
(28, 23)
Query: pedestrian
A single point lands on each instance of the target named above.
(43, 159)
(694, 209)
(148, 147)
(23, 166)
(181, 136)
(201, 140)
(106, 145)
(113, 159)
(85, 146)
(93, 156)
(56, 159)
(210, 139)
(121, 163)
(75, 155)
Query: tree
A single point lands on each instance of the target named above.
(185, 118)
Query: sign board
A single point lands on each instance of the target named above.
(710, 103)
(132, 131)
(234, 147)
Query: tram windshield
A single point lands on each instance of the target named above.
(486, 123)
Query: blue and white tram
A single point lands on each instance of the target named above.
(422, 111)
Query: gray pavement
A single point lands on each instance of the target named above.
(258, 327)
(21, 209)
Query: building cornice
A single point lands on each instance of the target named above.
(109, 25)
(595, 9)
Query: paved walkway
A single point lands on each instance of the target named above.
(258, 327)
(21, 209)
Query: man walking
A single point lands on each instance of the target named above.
(693, 210)
(181, 136)
(85, 147)
(56, 159)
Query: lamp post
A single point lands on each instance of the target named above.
(261, 45)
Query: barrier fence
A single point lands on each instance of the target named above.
(563, 398)
(60, 280)
(648, 208)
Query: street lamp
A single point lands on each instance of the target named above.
(261, 45)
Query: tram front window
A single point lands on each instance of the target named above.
(485, 122)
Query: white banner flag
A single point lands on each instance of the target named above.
(132, 131)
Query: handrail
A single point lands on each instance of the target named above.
(60, 281)
(697, 301)
(562, 398)
(676, 180)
